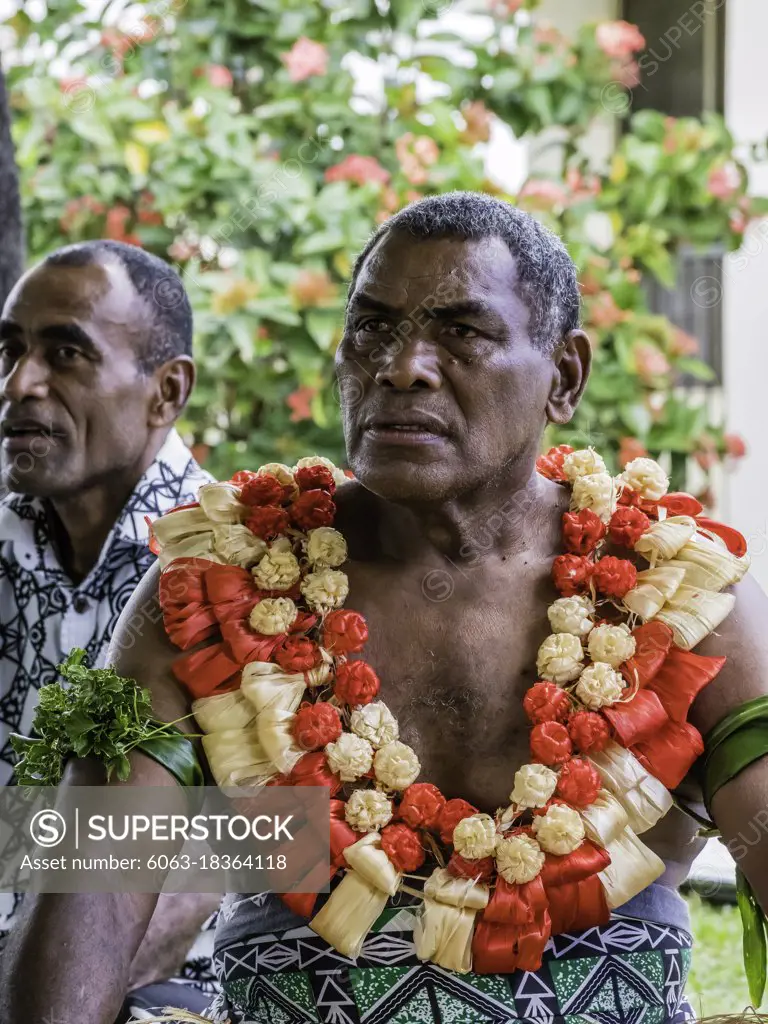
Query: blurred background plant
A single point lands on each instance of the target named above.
(255, 144)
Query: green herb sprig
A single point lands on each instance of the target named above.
(100, 714)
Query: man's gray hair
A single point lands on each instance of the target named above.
(546, 274)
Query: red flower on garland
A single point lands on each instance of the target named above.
(572, 574)
(550, 743)
(262, 489)
(579, 783)
(356, 683)
(452, 813)
(614, 577)
(421, 805)
(312, 509)
(546, 702)
(403, 847)
(462, 867)
(344, 632)
(589, 731)
(297, 654)
(268, 521)
(314, 770)
(551, 464)
(628, 525)
(315, 725)
(242, 476)
(582, 531)
(319, 478)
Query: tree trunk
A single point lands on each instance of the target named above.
(11, 234)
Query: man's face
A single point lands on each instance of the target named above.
(441, 388)
(74, 403)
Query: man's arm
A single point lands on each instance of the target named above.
(740, 808)
(69, 957)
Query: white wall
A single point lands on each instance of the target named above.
(745, 299)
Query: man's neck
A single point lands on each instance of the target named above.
(503, 518)
(83, 520)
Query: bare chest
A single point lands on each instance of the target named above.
(456, 653)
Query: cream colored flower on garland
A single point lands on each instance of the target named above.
(221, 503)
(396, 765)
(596, 492)
(350, 756)
(325, 590)
(277, 570)
(283, 474)
(583, 462)
(475, 837)
(326, 547)
(375, 723)
(560, 657)
(534, 785)
(273, 615)
(519, 859)
(571, 615)
(237, 545)
(599, 685)
(613, 644)
(368, 810)
(560, 830)
(646, 477)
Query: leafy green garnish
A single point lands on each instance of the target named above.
(100, 714)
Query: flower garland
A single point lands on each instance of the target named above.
(255, 564)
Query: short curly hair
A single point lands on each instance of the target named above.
(546, 274)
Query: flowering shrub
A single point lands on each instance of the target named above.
(240, 146)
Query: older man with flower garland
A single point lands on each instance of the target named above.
(513, 750)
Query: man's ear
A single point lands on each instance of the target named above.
(174, 381)
(572, 363)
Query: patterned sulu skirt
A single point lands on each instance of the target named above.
(629, 971)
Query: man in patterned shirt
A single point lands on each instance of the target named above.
(95, 368)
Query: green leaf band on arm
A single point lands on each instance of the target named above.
(736, 742)
(177, 754)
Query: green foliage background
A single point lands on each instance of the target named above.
(212, 134)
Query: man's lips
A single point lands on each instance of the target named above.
(18, 434)
(408, 428)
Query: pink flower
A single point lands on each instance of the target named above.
(218, 75)
(543, 194)
(723, 181)
(581, 187)
(299, 402)
(478, 122)
(415, 153)
(626, 72)
(650, 362)
(304, 59)
(508, 7)
(735, 446)
(619, 38)
(631, 448)
(604, 313)
(683, 344)
(359, 169)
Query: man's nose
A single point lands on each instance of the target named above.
(409, 364)
(28, 378)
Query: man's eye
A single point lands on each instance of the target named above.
(461, 331)
(67, 353)
(375, 325)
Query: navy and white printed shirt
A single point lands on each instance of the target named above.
(43, 614)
